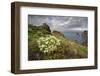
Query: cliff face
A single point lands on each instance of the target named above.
(44, 28)
(67, 49)
(57, 33)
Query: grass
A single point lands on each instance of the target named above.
(66, 50)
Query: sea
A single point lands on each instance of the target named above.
(75, 36)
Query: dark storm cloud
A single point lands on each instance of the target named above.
(60, 23)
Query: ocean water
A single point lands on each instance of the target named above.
(75, 36)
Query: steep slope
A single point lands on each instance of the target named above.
(66, 49)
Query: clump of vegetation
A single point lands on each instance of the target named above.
(48, 43)
(44, 44)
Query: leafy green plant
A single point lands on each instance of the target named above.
(48, 43)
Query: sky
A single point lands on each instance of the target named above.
(60, 23)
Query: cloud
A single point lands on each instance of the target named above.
(60, 23)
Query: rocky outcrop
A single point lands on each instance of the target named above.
(57, 33)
